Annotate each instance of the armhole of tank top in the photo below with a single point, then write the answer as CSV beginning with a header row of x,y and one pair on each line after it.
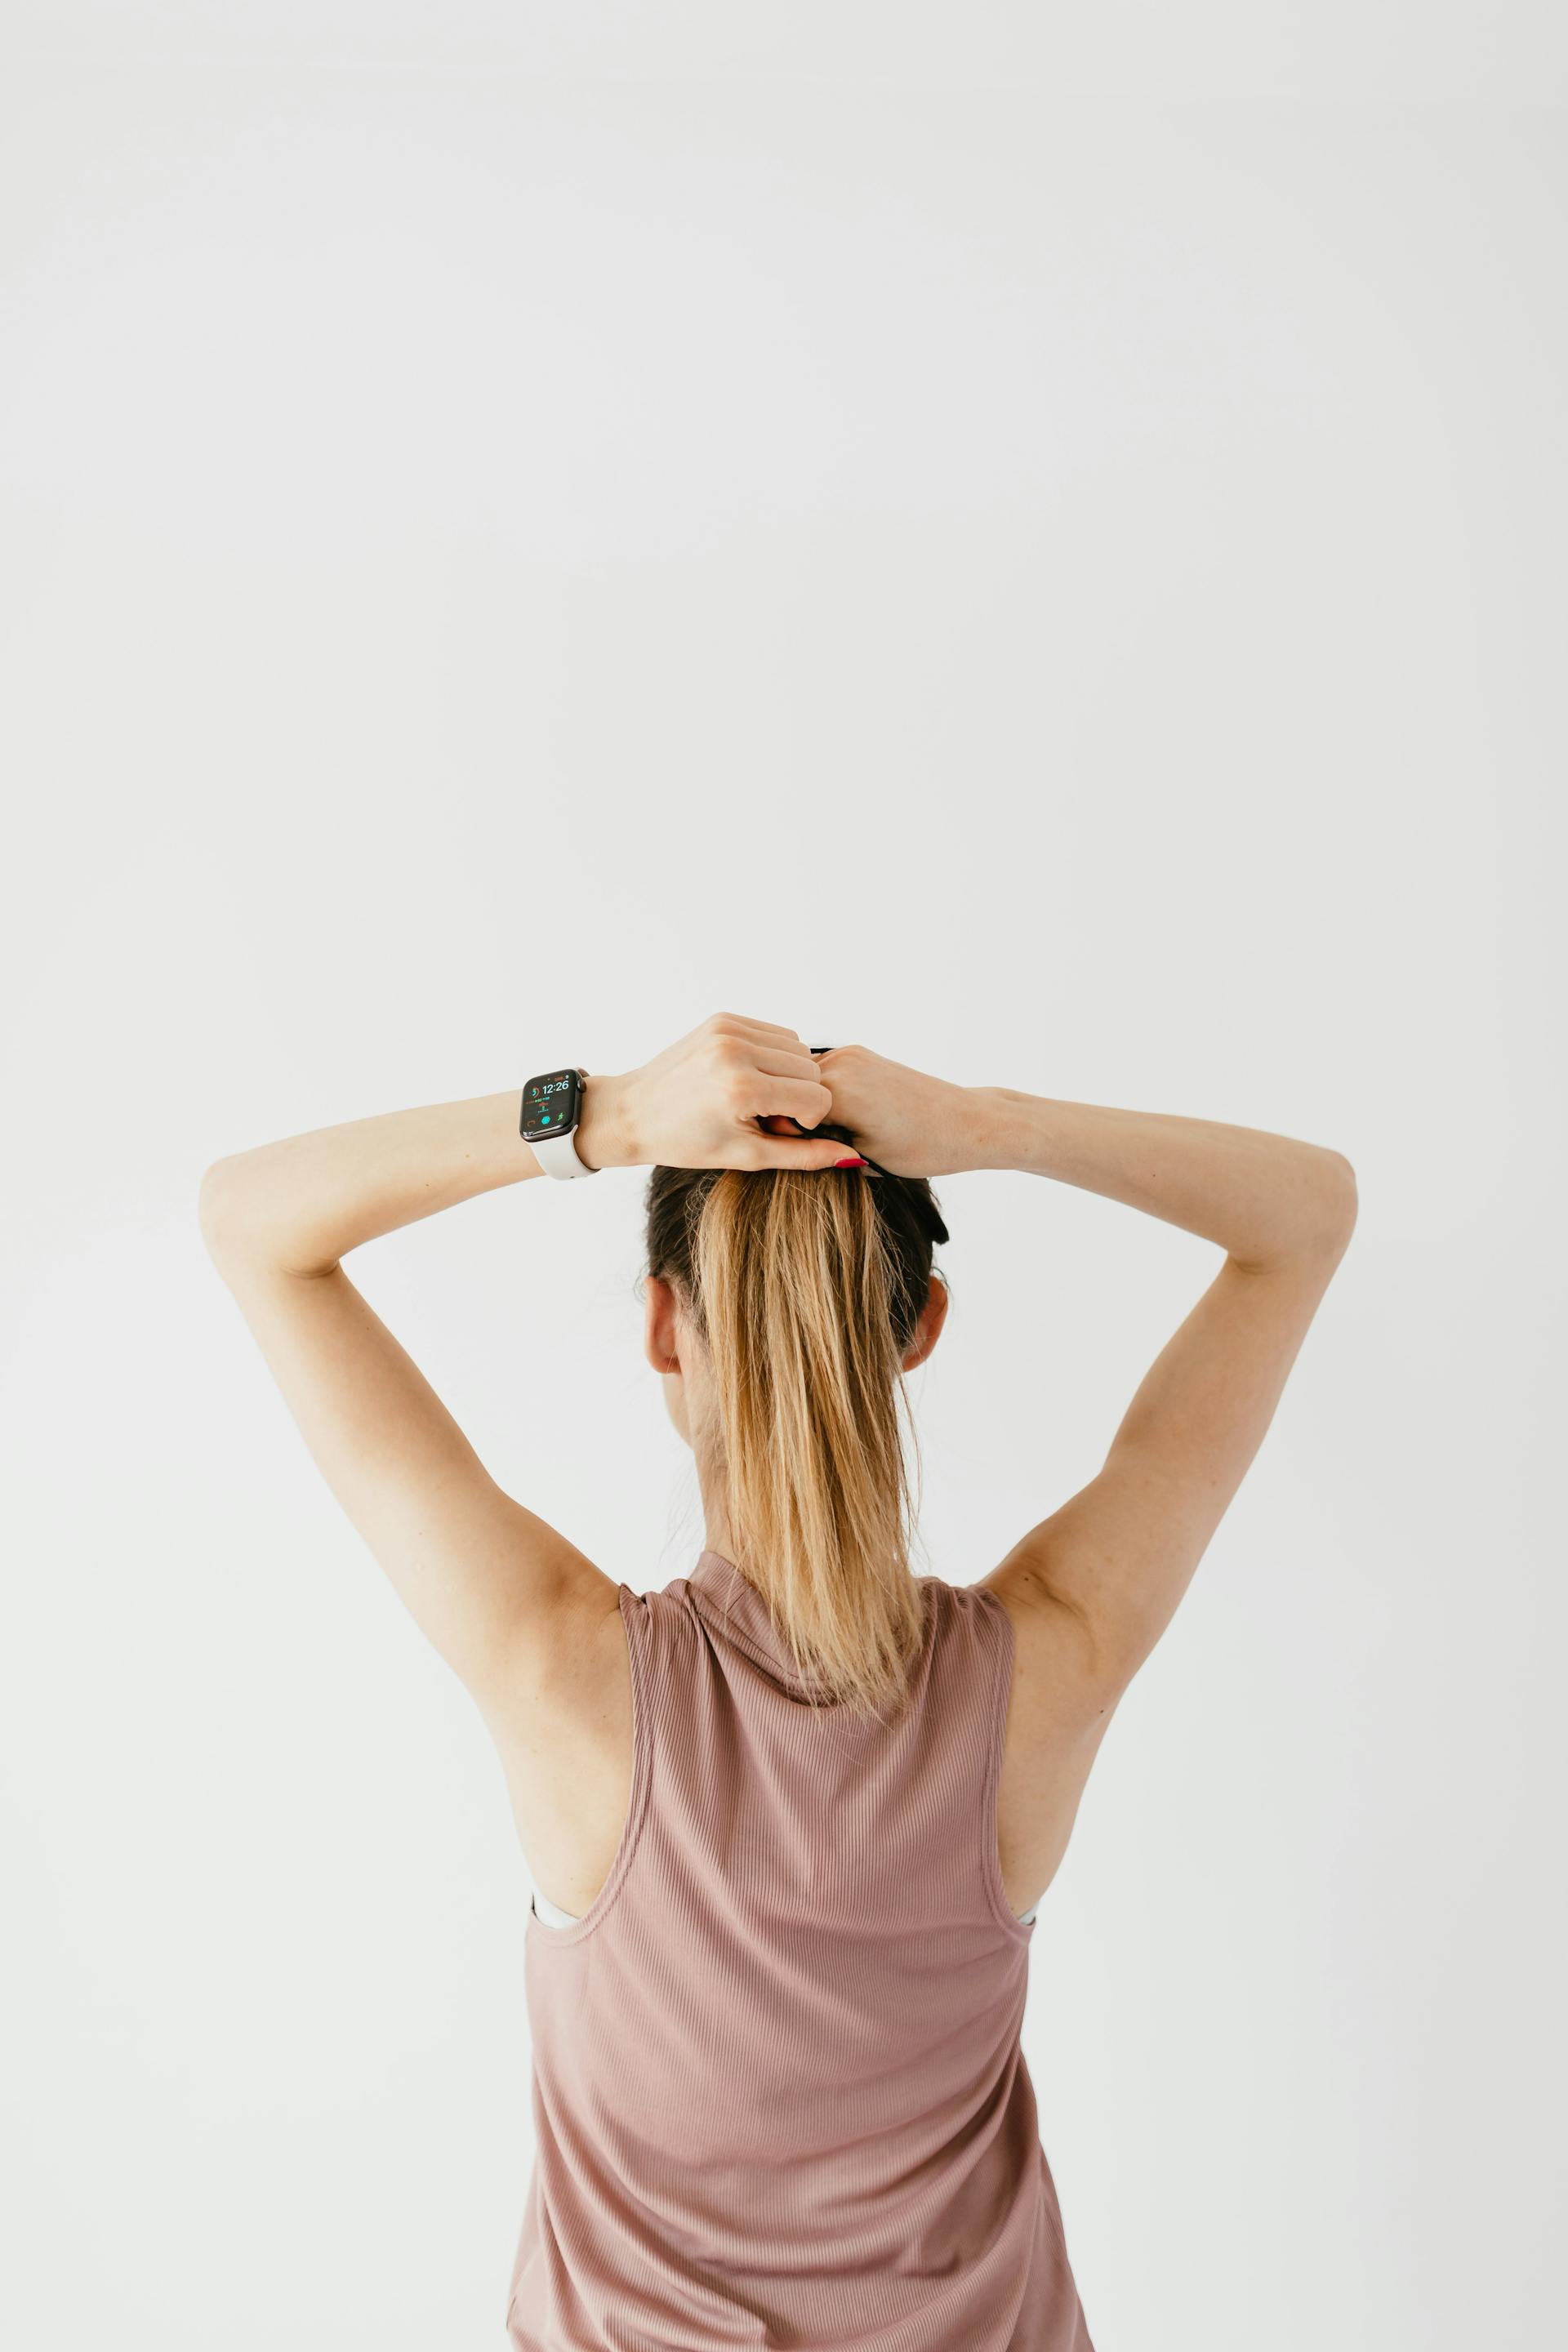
x,y
1019,1931
642,1769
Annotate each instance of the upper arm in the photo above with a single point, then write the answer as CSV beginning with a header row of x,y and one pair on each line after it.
x,y
503,1597
1109,1569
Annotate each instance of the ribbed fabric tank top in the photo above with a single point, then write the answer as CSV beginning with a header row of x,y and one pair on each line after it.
x,y
778,2092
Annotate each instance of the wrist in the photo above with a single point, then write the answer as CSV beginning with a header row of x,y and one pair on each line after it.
x,y
604,1137
1000,1129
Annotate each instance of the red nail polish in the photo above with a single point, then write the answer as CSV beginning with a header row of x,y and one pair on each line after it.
x,y
851,1163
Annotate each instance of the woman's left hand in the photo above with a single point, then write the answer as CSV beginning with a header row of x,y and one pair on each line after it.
x,y
697,1103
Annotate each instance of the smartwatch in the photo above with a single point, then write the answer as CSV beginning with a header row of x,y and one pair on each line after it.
x,y
552,1111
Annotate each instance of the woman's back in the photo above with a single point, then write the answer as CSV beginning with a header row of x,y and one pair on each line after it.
x,y
779,2094
778,2091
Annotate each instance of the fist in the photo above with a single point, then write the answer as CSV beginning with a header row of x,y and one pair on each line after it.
x,y
910,1124
697,1104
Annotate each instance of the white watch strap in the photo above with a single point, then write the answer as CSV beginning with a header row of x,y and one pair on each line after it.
x,y
557,1155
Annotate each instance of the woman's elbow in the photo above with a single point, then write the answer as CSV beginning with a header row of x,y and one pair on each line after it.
x,y
1340,1199
222,1213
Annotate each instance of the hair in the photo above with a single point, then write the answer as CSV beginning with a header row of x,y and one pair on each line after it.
x,y
805,1287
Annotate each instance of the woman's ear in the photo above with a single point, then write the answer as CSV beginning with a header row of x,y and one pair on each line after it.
x,y
927,1331
659,1337
661,1344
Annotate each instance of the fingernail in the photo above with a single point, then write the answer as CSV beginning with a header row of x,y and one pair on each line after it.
x,y
851,1163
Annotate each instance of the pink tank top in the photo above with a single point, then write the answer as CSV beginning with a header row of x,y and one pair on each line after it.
x,y
778,2093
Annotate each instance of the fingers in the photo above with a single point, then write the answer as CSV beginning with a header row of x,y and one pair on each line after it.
x,y
780,1061
806,1100
735,1023
809,1151
767,1071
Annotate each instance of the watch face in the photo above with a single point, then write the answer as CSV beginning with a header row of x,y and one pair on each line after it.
x,y
551,1105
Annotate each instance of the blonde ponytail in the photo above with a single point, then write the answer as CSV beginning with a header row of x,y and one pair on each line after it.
x,y
805,1287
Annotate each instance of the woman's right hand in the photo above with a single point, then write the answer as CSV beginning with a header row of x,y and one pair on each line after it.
x,y
698,1103
910,1124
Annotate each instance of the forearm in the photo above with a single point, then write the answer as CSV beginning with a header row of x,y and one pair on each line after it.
x,y
1261,1197
301,1204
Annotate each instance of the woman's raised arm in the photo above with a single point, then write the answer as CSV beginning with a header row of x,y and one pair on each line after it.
x,y
1110,1567
498,1592
1120,1553
505,1597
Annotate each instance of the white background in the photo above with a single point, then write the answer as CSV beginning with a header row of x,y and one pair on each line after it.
x,y
1035,545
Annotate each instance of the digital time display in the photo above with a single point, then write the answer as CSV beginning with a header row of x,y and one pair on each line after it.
x,y
550,1102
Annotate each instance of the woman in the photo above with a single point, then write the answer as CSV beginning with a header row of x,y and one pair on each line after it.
x,y
790,1817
